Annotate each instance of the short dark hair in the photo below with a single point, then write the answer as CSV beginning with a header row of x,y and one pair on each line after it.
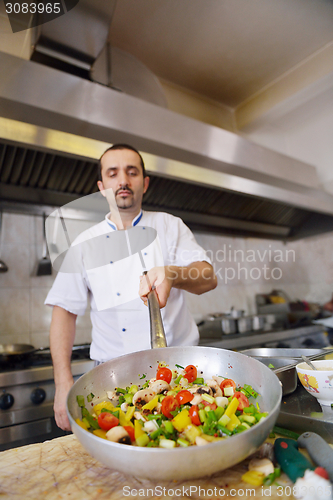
x,y
115,147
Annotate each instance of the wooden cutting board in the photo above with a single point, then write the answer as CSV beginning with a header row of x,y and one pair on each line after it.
x,y
62,469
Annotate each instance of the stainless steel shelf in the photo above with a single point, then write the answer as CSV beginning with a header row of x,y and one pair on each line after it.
x,y
254,339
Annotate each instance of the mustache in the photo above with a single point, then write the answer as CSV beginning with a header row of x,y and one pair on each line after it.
x,y
125,188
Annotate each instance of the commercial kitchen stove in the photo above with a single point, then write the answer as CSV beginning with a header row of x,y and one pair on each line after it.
x,y
26,398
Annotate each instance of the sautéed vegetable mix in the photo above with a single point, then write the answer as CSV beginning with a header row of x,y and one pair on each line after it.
x,y
177,408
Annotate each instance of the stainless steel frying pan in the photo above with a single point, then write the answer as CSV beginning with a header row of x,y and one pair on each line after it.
x,y
177,463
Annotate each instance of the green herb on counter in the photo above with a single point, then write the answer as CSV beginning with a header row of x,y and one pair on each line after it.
x,y
285,432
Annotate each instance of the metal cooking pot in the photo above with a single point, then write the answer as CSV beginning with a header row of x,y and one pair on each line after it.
x,y
177,463
228,325
244,324
258,322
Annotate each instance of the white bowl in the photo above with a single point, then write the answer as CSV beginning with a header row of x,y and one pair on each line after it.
x,y
318,383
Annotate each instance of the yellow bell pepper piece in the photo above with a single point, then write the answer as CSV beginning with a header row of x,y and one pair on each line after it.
x,y
151,404
81,424
182,420
130,413
191,432
100,433
123,420
232,407
104,404
138,429
234,422
253,477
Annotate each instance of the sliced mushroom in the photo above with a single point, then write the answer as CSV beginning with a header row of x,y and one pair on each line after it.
x,y
218,379
124,406
158,408
139,416
263,465
204,390
215,387
159,386
113,397
197,398
197,392
142,397
118,435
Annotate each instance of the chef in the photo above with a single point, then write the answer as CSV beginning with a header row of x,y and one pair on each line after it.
x,y
106,265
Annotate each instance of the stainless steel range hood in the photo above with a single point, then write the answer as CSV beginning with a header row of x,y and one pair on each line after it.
x,y
54,125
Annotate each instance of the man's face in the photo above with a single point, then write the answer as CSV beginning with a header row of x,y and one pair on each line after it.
x,y
122,172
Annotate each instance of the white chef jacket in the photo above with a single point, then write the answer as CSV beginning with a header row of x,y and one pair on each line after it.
x,y
120,320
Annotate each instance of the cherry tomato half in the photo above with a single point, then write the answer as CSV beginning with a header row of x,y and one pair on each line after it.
x,y
228,382
130,431
194,415
106,421
212,406
164,374
243,401
169,404
184,397
191,373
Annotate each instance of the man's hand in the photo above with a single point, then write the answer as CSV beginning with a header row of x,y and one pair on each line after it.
x,y
198,278
59,406
161,278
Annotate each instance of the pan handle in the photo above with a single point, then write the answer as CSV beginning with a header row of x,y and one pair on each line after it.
x,y
157,335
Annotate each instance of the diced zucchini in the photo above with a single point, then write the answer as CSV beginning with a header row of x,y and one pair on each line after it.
x,y
182,442
199,381
167,443
203,416
229,391
250,419
208,398
221,401
80,400
224,420
219,412
142,440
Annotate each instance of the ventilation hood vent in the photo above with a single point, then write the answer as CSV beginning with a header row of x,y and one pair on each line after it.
x,y
55,125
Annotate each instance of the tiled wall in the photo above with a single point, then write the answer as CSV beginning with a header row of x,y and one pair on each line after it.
x,y
23,316
304,270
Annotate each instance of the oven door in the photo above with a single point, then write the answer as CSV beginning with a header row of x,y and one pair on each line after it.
x,y
36,431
